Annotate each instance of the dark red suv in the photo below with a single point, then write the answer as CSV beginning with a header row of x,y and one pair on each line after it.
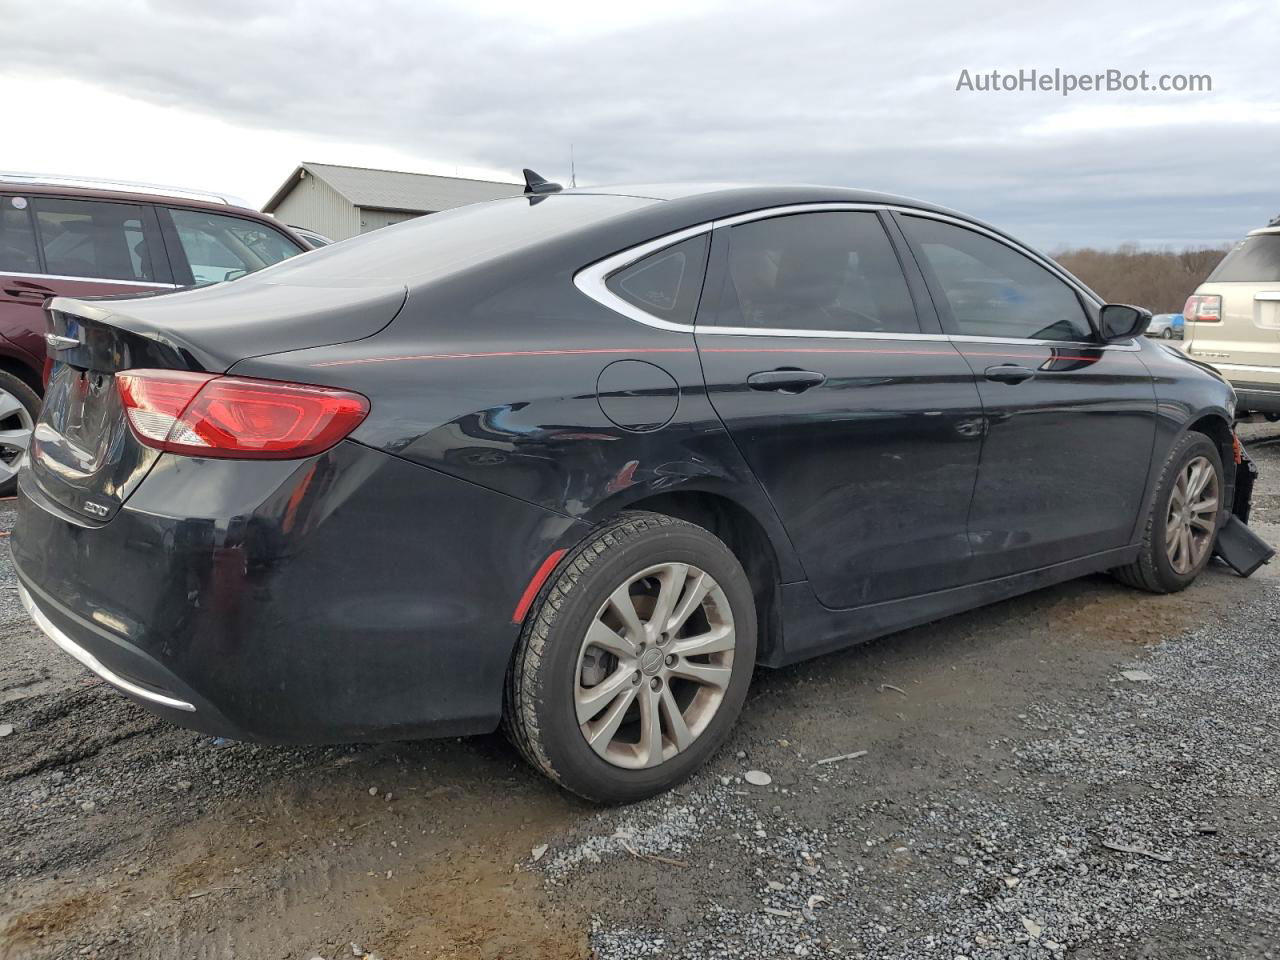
x,y
90,238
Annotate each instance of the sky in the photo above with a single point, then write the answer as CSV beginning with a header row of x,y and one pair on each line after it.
x,y
231,95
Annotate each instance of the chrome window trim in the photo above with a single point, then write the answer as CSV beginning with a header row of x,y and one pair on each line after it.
x,y
59,276
819,334
591,280
89,660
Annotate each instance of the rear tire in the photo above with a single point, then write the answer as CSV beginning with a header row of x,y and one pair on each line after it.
x,y
19,408
1168,562
671,674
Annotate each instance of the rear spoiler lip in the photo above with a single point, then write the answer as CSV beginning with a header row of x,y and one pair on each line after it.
x,y
318,318
124,347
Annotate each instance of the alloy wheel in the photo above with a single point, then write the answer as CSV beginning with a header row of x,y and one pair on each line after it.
x,y
16,427
654,665
1193,515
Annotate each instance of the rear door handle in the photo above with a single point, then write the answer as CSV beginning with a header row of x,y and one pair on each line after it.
x,y
1009,373
785,380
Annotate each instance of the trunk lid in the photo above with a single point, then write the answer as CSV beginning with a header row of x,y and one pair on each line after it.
x,y
84,457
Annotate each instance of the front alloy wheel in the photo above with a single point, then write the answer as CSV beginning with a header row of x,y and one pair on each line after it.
x,y
1192,523
1181,525
635,660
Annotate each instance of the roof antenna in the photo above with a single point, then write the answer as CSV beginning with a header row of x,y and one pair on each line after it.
x,y
573,170
536,184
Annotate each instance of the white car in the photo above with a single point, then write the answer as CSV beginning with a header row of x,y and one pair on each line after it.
x,y
1233,321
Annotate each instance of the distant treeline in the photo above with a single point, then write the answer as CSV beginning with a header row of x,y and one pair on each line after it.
x,y
1160,280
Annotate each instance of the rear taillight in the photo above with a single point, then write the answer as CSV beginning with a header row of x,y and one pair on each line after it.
x,y
1203,308
205,415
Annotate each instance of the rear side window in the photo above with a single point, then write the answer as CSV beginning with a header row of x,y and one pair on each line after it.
x,y
994,291
816,271
666,284
94,239
1254,259
223,248
17,238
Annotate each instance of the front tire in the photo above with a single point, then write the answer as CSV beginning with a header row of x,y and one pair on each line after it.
x,y
634,663
1166,333
1183,523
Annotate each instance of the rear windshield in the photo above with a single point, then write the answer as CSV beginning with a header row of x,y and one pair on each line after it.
x,y
432,246
1255,259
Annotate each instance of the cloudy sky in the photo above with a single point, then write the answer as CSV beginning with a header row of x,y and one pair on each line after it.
x,y
231,95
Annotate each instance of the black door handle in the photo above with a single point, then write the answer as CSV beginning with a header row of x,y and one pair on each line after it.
x,y
1009,373
785,380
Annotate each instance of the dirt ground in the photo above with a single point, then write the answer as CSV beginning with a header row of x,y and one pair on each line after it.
x,y
1019,796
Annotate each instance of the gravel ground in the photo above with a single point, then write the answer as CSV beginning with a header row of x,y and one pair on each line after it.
x,y
1085,772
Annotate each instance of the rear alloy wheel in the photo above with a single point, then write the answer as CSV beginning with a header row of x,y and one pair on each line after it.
x,y
635,661
19,407
1183,523
654,665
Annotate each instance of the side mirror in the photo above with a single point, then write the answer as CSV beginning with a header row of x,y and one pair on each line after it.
x,y
1123,322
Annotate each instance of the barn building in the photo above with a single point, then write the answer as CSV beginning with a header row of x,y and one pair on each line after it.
x,y
341,202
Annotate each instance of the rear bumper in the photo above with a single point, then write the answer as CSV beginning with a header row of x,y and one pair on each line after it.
x,y
352,596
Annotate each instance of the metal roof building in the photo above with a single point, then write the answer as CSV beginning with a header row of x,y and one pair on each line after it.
x,y
341,202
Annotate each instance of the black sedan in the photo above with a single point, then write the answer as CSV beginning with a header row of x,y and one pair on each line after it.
x,y
576,463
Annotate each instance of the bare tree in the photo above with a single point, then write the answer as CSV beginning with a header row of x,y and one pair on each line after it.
x,y
1160,280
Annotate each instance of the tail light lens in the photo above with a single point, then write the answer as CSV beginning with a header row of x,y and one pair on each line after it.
x,y
1203,308
205,415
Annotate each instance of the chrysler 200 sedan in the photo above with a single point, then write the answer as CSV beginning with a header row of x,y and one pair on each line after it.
x,y
575,463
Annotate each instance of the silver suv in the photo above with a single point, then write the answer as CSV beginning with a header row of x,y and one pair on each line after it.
x,y
1233,320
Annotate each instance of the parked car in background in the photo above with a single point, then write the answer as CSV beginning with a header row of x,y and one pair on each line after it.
x,y
62,236
1233,321
313,240
577,462
1166,326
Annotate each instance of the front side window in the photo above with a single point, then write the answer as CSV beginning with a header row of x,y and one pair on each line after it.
x,y
223,248
17,238
994,291
93,239
816,271
666,284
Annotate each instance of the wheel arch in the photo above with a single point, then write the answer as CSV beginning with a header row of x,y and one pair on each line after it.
x,y
744,534
23,371
1217,427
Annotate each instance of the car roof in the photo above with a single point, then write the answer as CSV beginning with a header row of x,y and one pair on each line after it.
x,y
762,194
29,188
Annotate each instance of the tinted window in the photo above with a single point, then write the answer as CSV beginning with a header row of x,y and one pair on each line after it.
x,y
816,271
222,248
667,283
1255,259
90,238
17,239
993,290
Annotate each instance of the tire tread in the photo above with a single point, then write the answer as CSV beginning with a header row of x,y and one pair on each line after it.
x,y
523,688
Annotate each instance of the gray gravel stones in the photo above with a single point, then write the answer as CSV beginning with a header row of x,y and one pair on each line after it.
x,y
1129,822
